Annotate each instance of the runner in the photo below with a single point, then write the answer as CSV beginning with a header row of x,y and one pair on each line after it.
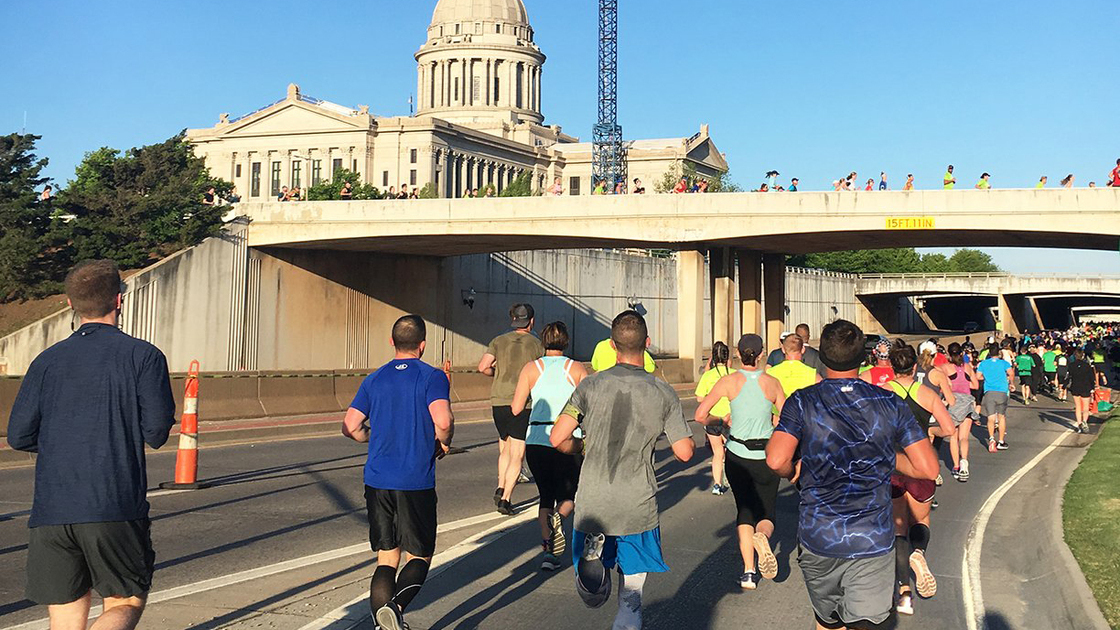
x,y
962,410
845,530
1024,365
605,357
995,374
504,359
1050,369
550,380
623,411
715,429
756,399
87,406
911,498
792,373
1083,380
809,354
881,373
1037,375
1062,374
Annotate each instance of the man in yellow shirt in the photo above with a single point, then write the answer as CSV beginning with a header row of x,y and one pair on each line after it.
x,y
792,373
605,357
950,180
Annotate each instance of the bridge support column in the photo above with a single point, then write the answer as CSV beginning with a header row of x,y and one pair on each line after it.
x,y
750,292
721,261
1008,317
774,274
690,307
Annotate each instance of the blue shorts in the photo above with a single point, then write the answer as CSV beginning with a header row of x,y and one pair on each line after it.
x,y
632,554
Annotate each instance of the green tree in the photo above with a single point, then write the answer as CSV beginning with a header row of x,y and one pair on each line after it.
x,y
138,206
722,182
901,260
329,190
972,261
428,191
521,186
30,260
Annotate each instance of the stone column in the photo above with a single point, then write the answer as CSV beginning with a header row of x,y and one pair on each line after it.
x,y
1007,316
420,69
511,85
721,272
537,84
774,302
440,84
463,73
690,308
486,91
750,291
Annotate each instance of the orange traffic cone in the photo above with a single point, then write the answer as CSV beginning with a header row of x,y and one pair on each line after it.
x,y
186,460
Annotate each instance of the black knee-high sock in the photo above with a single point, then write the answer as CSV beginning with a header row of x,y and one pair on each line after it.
x,y
382,586
937,442
409,582
902,560
919,536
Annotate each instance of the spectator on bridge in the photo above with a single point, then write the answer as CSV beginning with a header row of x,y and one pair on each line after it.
x,y
88,406
850,183
557,188
46,194
870,185
415,192
234,196
1114,176
950,180
403,194
601,187
1092,184
793,184
702,187
209,197
1041,182
1067,181
984,183
882,180
347,192
909,182
682,186
763,188
294,194
638,188
620,188
772,179
283,194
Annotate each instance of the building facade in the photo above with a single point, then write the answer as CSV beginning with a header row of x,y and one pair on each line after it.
x,y
478,123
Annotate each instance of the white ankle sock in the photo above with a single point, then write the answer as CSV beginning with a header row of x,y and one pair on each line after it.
x,y
629,602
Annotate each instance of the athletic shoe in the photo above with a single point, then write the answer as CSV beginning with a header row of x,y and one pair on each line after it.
x,y
550,562
523,478
389,617
505,507
940,480
933,504
558,542
767,563
593,580
748,581
905,605
923,577
963,475
717,490
725,489
956,473
593,546
991,445
498,496
1002,446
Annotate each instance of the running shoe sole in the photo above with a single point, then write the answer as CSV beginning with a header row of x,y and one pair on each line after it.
x,y
767,563
923,577
387,619
559,542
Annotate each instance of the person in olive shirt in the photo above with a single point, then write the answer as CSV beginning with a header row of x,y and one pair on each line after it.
x,y
504,358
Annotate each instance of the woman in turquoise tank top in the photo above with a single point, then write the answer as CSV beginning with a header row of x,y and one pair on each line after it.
x,y
756,403
550,382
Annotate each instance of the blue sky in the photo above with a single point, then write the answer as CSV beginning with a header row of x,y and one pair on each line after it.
x,y
814,89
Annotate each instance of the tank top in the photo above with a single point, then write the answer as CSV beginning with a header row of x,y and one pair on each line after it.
x,y
959,383
910,396
880,376
752,416
553,389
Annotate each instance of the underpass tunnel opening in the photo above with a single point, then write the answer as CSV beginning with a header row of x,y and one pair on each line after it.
x,y
966,313
1061,312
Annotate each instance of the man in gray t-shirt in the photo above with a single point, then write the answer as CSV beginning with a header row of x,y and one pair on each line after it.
x,y
622,411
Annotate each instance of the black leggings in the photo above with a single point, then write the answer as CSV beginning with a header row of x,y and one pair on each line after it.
x,y
755,487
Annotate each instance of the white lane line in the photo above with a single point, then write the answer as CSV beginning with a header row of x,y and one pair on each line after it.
x,y
151,495
289,565
346,618
975,614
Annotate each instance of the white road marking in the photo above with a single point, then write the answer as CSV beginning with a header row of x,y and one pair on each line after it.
x,y
975,614
447,558
151,495
344,618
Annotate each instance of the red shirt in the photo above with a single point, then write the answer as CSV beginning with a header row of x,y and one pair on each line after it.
x,y
1116,177
882,376
681,187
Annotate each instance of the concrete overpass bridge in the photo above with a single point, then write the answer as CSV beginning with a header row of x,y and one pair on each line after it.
x,y
746,236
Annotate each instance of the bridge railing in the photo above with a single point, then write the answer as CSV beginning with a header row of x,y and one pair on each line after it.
x,y
982,275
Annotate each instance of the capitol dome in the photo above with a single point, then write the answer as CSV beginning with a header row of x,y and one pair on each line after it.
x,y
508,11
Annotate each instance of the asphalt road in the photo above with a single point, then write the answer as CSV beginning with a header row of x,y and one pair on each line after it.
x,y
290,500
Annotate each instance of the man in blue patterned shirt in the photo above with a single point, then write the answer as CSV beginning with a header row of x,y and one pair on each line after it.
x,y
851,436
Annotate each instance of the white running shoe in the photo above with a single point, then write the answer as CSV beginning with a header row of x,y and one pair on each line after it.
x,y
923,577
905,604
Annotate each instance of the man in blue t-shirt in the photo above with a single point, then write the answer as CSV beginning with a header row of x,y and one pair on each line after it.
x,y
997,376
852,435
408,408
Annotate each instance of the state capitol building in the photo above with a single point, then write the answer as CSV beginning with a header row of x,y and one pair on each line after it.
x,y
478,122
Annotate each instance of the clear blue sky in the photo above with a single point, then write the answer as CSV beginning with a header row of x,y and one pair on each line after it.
x,y
814,89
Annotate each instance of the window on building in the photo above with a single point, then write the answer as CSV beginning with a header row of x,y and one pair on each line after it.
x,y
458,29
573,186
276,179
520,89
476,89
355,166
498,28
384,179
412,177
297,168
412,156
478,28
336,166
456,93
497,90
316,172
255,180
237,171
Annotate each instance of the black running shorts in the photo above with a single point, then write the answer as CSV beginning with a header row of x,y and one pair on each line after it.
x,y
402,519
556,474
509,425
755,487
64,562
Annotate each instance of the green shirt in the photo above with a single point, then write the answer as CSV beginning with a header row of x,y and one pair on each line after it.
x,y
605,357
512,352
983,184
1024,363
949,181
1050,361
707,382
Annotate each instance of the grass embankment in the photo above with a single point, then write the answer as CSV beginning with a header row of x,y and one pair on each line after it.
x,y
1091,515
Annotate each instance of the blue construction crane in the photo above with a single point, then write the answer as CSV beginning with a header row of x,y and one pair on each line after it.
x,y
609,155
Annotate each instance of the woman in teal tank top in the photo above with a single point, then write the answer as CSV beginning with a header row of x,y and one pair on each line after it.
x,y
756,402
550,382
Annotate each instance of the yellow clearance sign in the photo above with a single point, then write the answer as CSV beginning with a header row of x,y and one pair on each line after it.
x,y
911,223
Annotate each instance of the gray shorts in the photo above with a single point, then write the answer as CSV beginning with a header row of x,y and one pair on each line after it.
x,y
964,408
995,403
849,590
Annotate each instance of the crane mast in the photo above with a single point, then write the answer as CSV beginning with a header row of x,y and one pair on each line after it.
x,y
609,154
